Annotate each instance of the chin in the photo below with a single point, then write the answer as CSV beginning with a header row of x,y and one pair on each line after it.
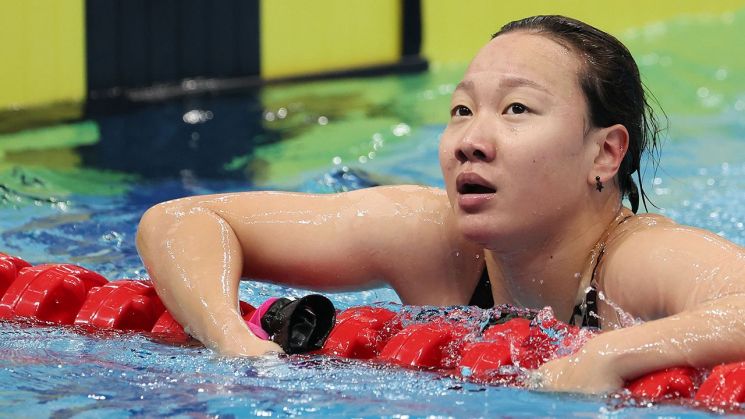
x,y
496,232
478,229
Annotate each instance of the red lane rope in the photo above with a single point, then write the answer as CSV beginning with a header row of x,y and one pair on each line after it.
x,y
71,295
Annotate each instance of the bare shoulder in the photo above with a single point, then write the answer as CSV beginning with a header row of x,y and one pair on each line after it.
x,y
655,267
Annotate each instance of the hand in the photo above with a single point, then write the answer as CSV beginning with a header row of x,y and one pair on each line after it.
x,y
252,347
584,372
236,339
262,347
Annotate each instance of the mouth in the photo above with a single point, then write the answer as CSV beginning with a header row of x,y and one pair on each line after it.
x,y
469,183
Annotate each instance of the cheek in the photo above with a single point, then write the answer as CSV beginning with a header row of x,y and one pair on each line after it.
x,y
445,153
558,148
544,167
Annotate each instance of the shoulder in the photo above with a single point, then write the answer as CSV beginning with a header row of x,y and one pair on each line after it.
x,y
647,236
656,267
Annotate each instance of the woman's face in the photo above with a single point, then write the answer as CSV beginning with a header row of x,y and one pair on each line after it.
x,y
514,154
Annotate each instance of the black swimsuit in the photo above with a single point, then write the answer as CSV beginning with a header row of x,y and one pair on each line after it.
x,y
587,310
482,298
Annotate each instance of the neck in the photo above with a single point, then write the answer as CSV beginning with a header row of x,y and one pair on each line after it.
x,y
548,269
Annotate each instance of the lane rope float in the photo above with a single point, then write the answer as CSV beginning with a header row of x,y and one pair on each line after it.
x,y
498,351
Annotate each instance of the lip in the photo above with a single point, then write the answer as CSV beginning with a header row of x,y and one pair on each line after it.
x,y
471,178
470,202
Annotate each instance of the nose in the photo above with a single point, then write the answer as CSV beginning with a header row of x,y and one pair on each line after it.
x,y
475,148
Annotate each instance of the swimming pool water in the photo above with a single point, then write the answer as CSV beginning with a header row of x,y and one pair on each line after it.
x,y
81,204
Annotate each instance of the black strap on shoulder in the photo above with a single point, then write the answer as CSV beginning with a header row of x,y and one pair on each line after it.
x,y
482,296
589,315
589,312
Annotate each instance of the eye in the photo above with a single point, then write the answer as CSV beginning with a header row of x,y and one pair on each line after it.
x,y
516,109
460,110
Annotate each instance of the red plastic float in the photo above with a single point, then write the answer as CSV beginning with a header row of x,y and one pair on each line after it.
x,y
483,361
10,266
121,305
725,386
361,332
52,293
67,294
425,345
671,383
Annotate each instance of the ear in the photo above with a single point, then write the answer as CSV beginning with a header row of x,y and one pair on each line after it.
x,y
612,143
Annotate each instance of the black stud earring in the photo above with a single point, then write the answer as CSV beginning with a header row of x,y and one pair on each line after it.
x,y
598,184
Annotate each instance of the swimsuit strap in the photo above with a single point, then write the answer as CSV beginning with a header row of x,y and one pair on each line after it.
x,y
587,310
482,296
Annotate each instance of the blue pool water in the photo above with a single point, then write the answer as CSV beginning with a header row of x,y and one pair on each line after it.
x,y
327,137
58,372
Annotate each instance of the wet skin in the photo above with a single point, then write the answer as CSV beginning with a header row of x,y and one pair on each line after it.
x,y
518,123
519,161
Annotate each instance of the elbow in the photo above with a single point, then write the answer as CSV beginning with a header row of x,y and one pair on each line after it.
x,y
153,226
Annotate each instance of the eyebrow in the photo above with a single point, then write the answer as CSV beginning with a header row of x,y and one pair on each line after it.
x,y
511,81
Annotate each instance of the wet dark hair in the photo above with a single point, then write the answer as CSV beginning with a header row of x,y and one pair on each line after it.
x,y
612,86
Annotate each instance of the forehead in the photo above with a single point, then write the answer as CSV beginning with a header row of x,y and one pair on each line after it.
x,y
528,55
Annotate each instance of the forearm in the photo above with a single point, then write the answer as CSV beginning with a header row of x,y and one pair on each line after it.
x,y
710,334
195,262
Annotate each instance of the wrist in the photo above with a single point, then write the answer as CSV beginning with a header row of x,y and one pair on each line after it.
x,y
238,340
222,328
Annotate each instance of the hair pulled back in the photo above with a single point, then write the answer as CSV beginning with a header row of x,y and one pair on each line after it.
x,y
610,81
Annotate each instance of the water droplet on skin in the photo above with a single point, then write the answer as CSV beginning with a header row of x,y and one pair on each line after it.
x,y
625,319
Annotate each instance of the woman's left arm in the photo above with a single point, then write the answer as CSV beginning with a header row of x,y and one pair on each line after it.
x,y
689,284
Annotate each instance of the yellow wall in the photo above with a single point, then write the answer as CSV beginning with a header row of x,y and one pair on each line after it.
x,y
42,52
43,41
455,30
300,36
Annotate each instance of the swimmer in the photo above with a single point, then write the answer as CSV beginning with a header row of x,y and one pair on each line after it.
x,y
547,130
